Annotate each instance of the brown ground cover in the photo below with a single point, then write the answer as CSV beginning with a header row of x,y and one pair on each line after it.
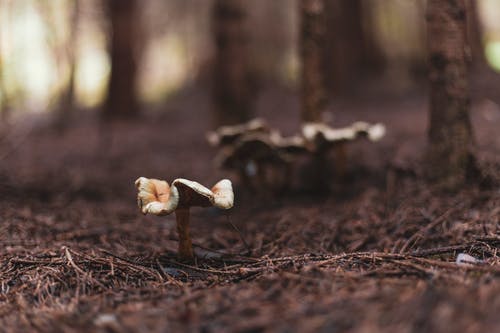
x,y
377,254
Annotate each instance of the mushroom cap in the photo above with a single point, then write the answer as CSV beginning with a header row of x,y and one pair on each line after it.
x,y
322,134
156,197
223,194
291,145
373,132
376,132
361,126
225,135
192,193
253,147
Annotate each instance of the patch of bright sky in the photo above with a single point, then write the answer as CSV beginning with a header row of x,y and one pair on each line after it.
x,y
92,68
493,54
291,68
398,21
165,67
28,66
34,76
490,15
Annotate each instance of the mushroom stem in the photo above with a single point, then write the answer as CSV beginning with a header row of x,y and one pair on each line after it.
x,y
245,178
185,245
320,175
340,161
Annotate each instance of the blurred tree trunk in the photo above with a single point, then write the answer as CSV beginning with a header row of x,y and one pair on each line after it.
x,y
5,101
233,89
67,101
371,58
351,49
122,99
475,36
3,92
312,43
313,84
450,132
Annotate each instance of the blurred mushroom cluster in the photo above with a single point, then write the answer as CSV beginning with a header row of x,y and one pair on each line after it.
x,y
264,159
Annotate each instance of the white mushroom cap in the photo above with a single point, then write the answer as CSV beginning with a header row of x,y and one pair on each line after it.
x,y
280,141
361,126
156,197
376,132
223,194
256,147
295,144
194,194
315,131
213,138
227,134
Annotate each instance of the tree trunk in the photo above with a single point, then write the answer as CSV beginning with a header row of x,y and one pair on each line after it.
x,y
372,57
475,36
122,99
3,91
312,41
450,132
351,49
66,105
233,91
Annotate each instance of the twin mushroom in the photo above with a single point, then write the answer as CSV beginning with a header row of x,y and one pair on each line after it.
x,y
263,157
158,198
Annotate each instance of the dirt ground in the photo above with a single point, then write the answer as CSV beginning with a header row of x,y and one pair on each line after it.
x,y
376,255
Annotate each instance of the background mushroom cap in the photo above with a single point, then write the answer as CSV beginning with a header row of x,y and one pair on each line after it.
x,y
253,147
291,145
322,135
319,131
376,132
226,135
373,132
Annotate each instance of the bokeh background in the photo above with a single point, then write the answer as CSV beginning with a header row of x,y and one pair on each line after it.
x,y
49,49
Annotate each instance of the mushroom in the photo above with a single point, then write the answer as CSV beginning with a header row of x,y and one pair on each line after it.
x,y
373,132
158,198
292,145
323,137
229,134
255,157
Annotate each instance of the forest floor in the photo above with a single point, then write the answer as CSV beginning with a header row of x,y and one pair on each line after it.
x,y
377,254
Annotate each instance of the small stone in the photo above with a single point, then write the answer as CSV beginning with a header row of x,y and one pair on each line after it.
x,y
105,320
465,259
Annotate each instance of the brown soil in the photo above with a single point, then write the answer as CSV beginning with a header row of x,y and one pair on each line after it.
x,y
377,254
